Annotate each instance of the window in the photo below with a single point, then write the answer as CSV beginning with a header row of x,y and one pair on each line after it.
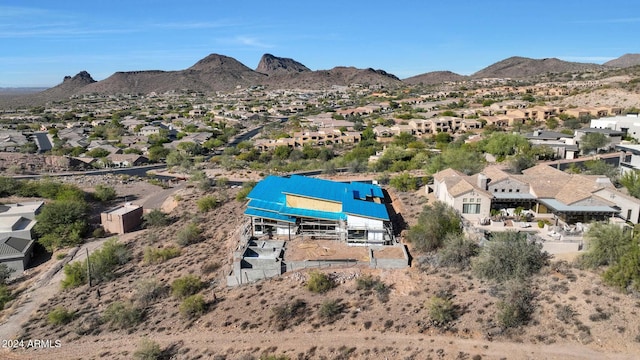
x,y
517,190
510,190
472,200
471,208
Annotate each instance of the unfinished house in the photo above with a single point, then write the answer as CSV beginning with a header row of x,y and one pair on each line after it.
x,y
122,219
316,208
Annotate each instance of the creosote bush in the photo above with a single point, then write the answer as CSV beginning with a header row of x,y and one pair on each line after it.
x,y
155,218
330,310
291,313
103,262
516,306
509,255
148,291
319,282
190,234
157,256
457,251
147,350
207,203
186,286
60,316
192,306
441,310
121,315
368,282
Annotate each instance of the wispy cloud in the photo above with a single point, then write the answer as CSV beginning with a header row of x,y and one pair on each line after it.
x,y
248,41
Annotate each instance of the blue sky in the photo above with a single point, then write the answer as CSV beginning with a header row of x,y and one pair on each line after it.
x,y
42,41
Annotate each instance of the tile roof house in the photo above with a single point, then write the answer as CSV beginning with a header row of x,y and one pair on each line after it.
x,y
542,189
310,207
16,241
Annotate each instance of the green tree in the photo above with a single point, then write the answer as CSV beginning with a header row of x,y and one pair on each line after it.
x,y
592,141
503,144
404,182
625,273
606,243
98,153
631,181
61,223
434,223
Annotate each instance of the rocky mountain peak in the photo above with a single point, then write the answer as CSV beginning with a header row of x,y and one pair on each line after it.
x,y
273,65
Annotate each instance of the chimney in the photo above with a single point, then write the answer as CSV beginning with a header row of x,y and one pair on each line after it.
x,y
482,181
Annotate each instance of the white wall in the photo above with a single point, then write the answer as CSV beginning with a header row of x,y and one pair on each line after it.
x,y
361,222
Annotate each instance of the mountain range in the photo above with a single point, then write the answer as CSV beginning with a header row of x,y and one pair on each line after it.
x,y
222,73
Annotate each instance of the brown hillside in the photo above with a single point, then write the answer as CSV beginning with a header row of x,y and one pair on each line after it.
x,y
624,61
341,76
521,67
280,316
434,78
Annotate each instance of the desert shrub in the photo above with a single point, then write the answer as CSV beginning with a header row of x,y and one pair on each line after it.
x,y
434,223
606,244
147,350
289,313
104,193
207,203
319,282
457,251
189,234
245,190
147,291
157,256
186,286
625,273
516,306
210,267
509,255
103,262
155,218
441,310
122,315
368,282
75,274
330,310
98,232
60,316
5,295
565,313
192,306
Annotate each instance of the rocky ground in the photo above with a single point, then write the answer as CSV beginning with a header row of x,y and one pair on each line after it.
x,y
280,316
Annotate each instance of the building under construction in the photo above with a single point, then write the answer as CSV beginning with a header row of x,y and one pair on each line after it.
x,y
315,208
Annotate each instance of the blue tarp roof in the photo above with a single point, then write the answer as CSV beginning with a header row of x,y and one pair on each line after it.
x,y
270,194
269,215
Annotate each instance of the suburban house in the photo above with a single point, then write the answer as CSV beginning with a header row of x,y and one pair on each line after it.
x,y
630,159
563,145
629,124
16,240
122,219
543,190
297,205
614,137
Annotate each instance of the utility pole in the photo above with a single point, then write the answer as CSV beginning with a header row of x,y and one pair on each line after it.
x,y
88,267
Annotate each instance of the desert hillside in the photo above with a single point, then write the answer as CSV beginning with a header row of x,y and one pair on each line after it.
x,y
575,317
